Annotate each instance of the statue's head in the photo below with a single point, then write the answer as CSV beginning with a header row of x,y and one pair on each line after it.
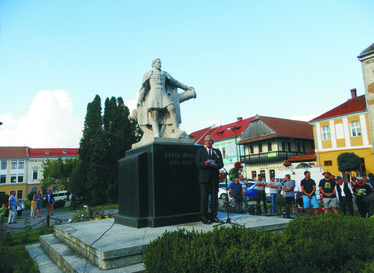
x,y
156,62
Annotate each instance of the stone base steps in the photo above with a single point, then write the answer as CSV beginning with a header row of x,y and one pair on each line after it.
x,y
103,246
61,258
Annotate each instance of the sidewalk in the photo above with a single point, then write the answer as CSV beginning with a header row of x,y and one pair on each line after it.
x,y
59,217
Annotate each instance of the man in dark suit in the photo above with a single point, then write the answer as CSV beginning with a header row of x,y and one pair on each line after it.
x,y
208,162
344,195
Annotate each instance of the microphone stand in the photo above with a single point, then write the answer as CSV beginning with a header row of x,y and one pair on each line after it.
x,y
228,220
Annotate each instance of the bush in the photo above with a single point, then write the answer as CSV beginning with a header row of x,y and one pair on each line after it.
x,y
74,204
327,243
4,199
30,196
330,241
59,204
27,204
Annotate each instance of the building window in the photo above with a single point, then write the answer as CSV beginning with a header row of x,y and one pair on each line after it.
x,y
251,148
262,173
283,146
13,178
339,130
3,164
19,194
20,178
35,175
298,147
304,148
223,152
14,165
254,175
355,128
3,178
64,152
260,148
47,152
325,132
269,147
21,165
328,163
289,147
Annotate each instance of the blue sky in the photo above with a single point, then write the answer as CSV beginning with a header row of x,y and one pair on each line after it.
x,y
288,59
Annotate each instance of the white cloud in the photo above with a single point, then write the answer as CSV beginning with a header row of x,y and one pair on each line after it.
x,y
131,104
49,123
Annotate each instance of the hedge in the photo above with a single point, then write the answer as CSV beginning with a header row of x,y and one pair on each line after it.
x,y
327,243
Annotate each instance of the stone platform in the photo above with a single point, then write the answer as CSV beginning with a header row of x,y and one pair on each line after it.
x,y
102,245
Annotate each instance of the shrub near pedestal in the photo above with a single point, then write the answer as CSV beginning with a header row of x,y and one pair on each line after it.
x,y
327,243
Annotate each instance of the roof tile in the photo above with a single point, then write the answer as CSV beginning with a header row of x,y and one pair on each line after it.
x,y
357,104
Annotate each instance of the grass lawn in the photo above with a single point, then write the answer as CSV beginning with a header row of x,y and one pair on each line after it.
x,y
13,254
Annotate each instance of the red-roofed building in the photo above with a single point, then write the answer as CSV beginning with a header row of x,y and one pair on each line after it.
x,y
39,155
268,142
21,167
344,128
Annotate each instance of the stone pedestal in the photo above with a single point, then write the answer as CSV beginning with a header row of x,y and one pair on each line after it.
x,y
158,186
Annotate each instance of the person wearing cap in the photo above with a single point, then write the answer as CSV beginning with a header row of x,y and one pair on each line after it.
x,y
353,182
344,194
308,187
327,188
360,190
260,194
236,171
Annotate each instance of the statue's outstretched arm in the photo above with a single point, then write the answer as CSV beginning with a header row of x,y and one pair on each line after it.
x,y
176,83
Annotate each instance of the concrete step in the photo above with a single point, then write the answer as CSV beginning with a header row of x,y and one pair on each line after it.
x,y
45,264
70,261
115,249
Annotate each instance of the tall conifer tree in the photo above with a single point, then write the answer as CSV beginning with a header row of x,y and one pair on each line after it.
x,y
105,140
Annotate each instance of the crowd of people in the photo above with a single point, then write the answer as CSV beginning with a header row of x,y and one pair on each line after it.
x,y
16,207
333,191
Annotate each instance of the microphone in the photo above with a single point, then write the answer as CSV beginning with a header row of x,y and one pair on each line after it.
x,y
217,156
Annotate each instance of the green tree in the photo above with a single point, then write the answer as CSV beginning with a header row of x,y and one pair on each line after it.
x,y
119,138
348,162
57,173
90,144
105,140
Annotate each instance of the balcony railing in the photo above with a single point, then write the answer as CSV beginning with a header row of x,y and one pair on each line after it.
x,y
267,157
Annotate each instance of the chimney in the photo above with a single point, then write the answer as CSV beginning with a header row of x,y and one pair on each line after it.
x,y
354,93
239,119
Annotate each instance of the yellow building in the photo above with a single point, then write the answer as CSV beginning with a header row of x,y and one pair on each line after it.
x,y
21,168
13,170
346,128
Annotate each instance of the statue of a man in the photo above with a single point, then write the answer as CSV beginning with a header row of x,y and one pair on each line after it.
x,y
158,109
